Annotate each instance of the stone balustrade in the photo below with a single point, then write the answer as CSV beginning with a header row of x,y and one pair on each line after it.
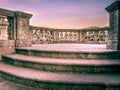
x,y
87,36
41,35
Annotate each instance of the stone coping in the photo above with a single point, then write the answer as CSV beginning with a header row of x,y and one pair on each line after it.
x,y
114,6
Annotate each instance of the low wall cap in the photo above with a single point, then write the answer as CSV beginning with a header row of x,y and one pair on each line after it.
x,y
114,6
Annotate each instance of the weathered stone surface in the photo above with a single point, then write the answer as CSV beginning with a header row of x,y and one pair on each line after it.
x,y
63,65
23,14
19,22
7,85
63,81
114,39
7,47
6,12
69,54
55,76
42,35
22,28
21,31
23,43
59,81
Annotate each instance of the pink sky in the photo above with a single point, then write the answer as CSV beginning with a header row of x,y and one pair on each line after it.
x,y
62,13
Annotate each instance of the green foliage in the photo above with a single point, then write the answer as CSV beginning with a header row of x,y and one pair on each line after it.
x,y
9,32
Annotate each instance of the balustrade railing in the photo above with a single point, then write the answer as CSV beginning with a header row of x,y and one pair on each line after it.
x,y
88,36
42,35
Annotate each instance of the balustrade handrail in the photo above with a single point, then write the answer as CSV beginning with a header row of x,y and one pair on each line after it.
x,y
95,35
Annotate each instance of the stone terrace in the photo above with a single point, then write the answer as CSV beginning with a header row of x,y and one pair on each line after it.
x,y
61,66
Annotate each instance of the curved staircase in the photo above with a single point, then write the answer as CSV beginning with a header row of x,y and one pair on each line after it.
x,y
62,69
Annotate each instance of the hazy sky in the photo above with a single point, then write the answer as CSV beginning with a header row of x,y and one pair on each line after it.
x,y
62,13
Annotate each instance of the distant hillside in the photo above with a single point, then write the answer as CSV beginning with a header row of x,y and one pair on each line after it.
x,y
95,27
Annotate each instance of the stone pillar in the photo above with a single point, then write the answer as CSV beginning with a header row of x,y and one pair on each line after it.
x,y
114,31
55,36
78,36
21,21
81,37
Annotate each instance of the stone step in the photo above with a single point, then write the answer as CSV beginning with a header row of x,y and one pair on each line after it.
x,y
7,85
63,65
59,81
75,54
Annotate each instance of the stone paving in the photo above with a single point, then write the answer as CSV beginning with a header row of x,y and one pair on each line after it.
x,y
72,47
7,85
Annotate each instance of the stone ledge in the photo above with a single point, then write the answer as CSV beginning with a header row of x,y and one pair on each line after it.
x,y
22,14
113,7
6,12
